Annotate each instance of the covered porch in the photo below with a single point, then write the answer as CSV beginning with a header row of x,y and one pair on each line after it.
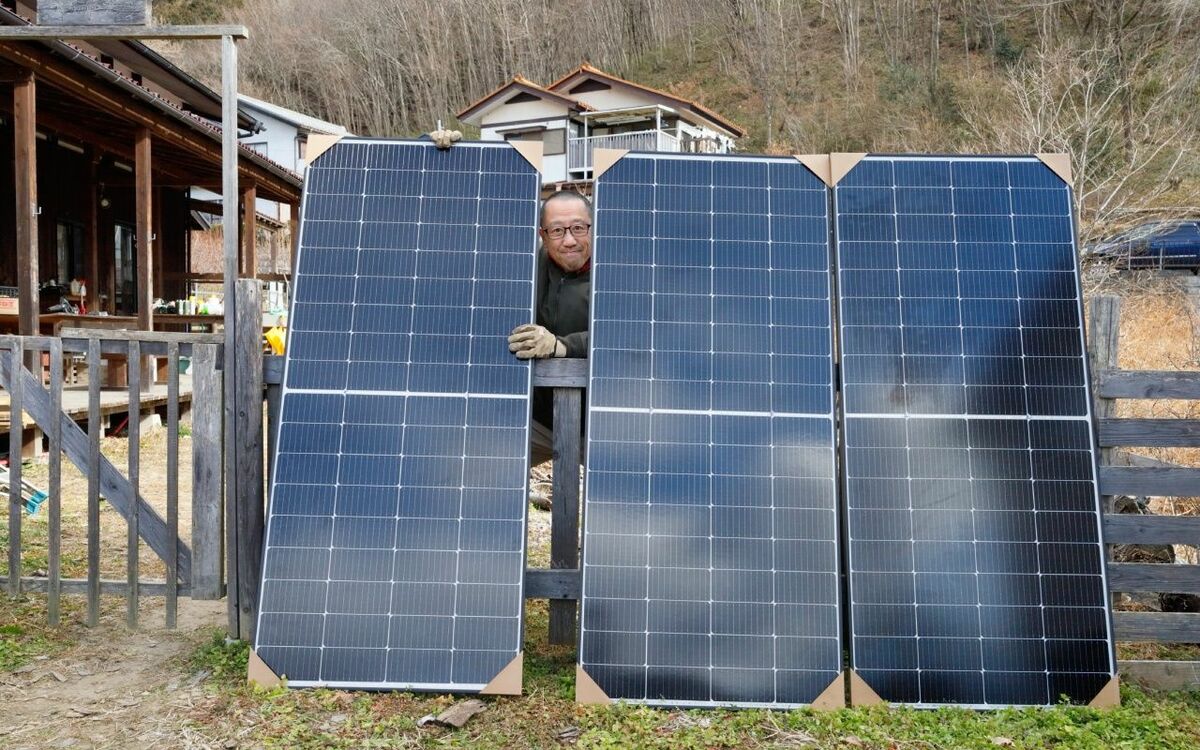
x,y
102,170
648,128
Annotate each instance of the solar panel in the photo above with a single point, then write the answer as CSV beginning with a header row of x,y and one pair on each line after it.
x,y
976,570
395,546
710,572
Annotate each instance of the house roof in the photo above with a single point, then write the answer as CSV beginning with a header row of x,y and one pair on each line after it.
x,y
588,71
302,121
195,122
522,84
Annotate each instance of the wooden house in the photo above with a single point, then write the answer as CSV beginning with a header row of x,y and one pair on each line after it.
x,y
101,146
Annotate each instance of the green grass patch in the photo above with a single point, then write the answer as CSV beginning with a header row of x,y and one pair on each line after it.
x,y
25,633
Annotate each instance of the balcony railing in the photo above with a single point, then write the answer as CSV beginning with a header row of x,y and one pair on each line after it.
x,y
579,150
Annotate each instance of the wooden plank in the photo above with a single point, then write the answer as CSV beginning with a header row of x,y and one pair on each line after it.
x,y
564,513
1161,675
144,337
1157,627
1132,528
1150,433
94,460
1148,384
552,584
249,462
91,13
26,195
208,547
54,520
16,430
560,373
144,229
1103,336
108,586
1144,481
172,597
294,232
134,440
1154,578
274,407
117,346
113,484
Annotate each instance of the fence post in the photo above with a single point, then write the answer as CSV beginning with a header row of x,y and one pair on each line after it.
x,y
1104,329
208,543
564,529
248,396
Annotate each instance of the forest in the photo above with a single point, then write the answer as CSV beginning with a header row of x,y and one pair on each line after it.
x,y
1114,83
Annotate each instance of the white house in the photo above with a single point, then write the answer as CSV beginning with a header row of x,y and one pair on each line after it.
x,y
283,139
587,109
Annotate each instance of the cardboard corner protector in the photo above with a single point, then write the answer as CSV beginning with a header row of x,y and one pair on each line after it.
x,y
604,158
862,694
318,144
508,680
1060,164
1109,695
832,697
839,166
587,691
532,151
818,164
258,673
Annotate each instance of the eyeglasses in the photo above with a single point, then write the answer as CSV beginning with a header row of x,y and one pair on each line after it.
x,y
577,230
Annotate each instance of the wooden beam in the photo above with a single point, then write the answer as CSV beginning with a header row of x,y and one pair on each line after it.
x,y
1135,528
91,232
250,231
1161,627
25,173
143,204
1148,384
1150,433
1154,578
56,33
156,221
1149,481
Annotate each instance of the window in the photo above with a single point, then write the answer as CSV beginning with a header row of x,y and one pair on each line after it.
x,y
69,246
259,147
301,147
524,135
555,142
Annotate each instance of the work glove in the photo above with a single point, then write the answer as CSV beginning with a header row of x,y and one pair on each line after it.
x,y
531,341
445,138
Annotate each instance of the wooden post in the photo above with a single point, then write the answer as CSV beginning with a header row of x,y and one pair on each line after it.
x,y
208,545
95,430
16,504
172,560
133,543
91,234
144,192
250,231
1104,328
249,464
294,228
54,529
564,532
25,172
156,219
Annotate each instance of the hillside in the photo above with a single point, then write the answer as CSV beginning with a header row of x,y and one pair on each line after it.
x,y
1115,84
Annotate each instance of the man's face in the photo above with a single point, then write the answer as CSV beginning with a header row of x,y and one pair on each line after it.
x,y
571,253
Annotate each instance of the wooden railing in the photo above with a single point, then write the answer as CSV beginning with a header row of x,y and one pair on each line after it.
x,y
1123,473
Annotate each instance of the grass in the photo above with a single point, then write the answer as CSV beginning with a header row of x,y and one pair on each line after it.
x,y
546,716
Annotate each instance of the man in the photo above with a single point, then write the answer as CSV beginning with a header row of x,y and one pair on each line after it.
x,y
564,285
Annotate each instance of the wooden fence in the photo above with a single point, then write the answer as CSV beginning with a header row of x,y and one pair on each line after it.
x,y
222,557
1123,473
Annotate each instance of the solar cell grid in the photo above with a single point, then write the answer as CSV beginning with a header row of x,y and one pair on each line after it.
x,y
976,569
710,562
395,545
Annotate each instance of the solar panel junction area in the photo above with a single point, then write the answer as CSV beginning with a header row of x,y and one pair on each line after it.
x,y
395,546
976,572
710,533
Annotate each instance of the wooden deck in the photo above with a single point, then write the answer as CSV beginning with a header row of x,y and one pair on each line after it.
x,y
112,401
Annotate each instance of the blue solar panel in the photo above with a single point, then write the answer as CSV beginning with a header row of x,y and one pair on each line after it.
x,y
976,572
395,545
710,564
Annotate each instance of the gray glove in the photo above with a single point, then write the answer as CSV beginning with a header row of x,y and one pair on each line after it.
x,y
531,341
445,138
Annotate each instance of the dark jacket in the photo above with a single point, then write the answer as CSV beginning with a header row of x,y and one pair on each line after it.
x,y
563,300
